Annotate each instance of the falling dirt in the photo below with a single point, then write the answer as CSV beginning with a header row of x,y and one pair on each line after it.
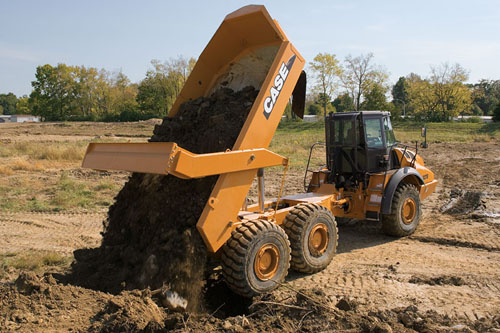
x,y
150,238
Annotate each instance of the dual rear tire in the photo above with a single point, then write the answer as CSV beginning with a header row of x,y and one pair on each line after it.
x,y
259,253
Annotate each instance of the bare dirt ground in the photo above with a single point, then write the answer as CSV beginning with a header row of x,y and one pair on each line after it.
x,y
445,277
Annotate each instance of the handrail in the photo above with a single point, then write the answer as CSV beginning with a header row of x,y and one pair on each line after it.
x,y
309,161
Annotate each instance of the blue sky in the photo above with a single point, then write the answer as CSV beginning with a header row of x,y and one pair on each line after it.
x,y
405,36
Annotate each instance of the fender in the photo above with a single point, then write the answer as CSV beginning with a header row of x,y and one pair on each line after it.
x,y
393,184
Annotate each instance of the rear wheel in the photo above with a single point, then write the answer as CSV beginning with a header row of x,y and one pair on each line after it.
x,y
256,258
313,236
405,212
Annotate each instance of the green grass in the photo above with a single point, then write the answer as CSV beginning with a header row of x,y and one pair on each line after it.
x,y
32,261
60,151
65,194
294,138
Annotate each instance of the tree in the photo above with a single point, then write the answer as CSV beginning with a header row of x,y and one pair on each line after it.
x,y
485,96
326,69
343,103
375,98
496,113
314,109
157,92
400,95
359,73
443,95
8,103
53,92
22,105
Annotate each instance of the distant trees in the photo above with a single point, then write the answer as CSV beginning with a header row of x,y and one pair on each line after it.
x,y
363,80
79,93
158,91
65,92
442,95
360,75
343,103
485,96
8,104
496,113
400,95
374,97
326,69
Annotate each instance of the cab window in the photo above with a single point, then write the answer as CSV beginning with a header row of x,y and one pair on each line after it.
x,y
373,133
389,133
345,133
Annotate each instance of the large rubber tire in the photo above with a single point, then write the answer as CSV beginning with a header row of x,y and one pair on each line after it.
x,y
251,244
405,212
302,225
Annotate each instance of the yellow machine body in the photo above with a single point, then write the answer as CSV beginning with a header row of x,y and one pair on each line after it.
x,y
249,48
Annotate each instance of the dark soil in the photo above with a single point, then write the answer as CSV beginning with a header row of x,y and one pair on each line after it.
x,y
439,280
462,202
150,237
37,303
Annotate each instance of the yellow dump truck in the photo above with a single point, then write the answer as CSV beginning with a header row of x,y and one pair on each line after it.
x,y
368,175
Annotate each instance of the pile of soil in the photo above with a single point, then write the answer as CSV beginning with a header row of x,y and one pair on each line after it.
x,y
463,202
39,303
150,237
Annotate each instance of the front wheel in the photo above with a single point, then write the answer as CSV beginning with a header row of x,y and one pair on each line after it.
x,y
256,258
405,212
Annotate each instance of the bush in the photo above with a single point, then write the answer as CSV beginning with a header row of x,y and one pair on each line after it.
x,y
496,113
473,119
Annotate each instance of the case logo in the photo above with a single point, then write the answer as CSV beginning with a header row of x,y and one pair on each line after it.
x,y
279,81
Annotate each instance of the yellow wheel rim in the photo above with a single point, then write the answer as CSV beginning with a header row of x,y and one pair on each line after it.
x,y
267,261
318,239
408,211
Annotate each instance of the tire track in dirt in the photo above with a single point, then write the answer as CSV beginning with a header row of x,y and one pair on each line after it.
x,y
375,270
41,231
454,242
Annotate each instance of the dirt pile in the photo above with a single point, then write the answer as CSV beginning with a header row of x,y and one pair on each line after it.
x,y
462,202
150,238
38,303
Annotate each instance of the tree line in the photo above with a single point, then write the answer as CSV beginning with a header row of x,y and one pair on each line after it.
x,y
358,84
65,92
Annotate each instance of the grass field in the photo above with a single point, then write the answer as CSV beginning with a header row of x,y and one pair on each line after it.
x,y
40,163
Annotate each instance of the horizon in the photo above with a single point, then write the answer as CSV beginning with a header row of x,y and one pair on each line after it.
x,y
126,36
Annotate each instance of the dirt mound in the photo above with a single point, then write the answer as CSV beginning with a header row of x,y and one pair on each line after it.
x,y
439,280
150,238
38,304
462,202
130,312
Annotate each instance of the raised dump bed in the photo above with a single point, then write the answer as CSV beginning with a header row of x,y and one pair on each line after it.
x,y
248,49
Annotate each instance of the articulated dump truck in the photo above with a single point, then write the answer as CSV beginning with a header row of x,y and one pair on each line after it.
x,y
368,175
